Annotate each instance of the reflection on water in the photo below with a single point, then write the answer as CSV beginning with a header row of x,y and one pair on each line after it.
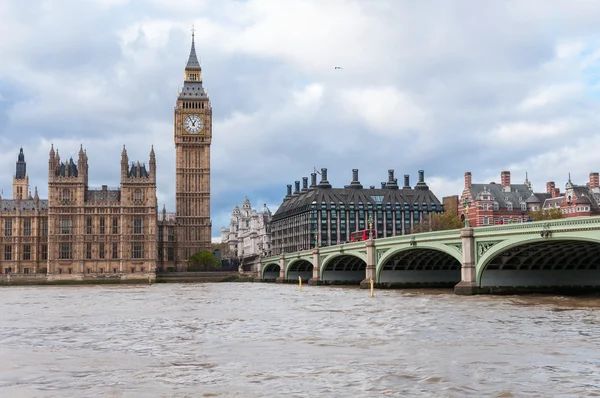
x,y
267,340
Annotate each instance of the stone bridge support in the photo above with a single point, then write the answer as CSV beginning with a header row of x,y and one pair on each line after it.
x,y
281,278
370,272
315,280
468,280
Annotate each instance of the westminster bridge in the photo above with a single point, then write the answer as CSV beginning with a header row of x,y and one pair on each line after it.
x,y
552,255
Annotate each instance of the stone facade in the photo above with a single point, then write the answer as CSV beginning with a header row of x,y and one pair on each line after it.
x,y
249,235
80,233
192,136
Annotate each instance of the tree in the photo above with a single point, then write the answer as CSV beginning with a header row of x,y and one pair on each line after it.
x,y
204,260
440,222
549,214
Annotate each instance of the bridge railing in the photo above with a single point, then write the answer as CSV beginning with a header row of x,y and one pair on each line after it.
x,y
569,223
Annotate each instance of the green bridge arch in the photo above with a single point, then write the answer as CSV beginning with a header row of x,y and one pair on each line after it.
x,y
551,247
353,271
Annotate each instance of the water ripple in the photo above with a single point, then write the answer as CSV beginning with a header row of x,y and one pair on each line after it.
x,y
268,340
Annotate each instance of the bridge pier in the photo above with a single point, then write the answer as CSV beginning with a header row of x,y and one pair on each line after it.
x,y
468,276
315,280
281,278
370,271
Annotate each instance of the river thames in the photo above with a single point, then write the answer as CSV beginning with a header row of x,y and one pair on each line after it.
x,y
269,340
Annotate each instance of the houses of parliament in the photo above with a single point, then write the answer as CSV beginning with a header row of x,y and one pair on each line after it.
x,y
82,233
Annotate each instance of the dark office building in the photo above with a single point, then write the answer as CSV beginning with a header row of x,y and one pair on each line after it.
x,y
319,215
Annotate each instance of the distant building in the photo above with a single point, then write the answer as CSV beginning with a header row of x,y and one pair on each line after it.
x,y
249,235
450,203
577,200
320,215
494,203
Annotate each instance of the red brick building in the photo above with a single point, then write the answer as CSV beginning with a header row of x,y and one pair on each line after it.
x,y
492,203
577,200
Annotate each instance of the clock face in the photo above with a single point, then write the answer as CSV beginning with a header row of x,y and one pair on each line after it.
x,y
193,124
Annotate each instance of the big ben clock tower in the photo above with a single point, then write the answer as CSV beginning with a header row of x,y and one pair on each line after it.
x,y
192,134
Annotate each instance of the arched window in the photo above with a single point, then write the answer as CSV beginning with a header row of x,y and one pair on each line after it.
x,y
137,195
66,195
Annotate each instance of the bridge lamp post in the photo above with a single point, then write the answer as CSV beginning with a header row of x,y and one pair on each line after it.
x,y
370,226
466,204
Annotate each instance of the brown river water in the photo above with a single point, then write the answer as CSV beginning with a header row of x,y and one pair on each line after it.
x,y
270,340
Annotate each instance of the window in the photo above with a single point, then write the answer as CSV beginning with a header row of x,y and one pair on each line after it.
x,y
8,228
524,206
115,250
115,225
7,252
101,250
26,252
44,251
44,227
485,207
138,225
137,196
486,221
509,206
66,226
88,251
170,254
27,227
496,206
66,195
65,251
101,225
88,226
137,250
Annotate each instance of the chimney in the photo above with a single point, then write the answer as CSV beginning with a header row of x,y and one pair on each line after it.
x,y
392,182
505,178
296,187
313,180
289,190
382,185
555,192
324,183
355,184
304,184
421,184
550,187
468,180
406,182
594,180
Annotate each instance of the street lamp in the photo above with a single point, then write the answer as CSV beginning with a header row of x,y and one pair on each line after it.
x,y
466,204
370,226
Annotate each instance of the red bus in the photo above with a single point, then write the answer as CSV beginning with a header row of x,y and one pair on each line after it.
x,y
357,236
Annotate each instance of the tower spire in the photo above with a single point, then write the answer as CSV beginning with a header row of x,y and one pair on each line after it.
x,y
193,63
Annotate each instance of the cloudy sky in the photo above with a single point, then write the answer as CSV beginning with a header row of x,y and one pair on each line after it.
x,y
444,86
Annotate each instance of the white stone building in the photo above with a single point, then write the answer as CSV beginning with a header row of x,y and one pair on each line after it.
x,y
249,235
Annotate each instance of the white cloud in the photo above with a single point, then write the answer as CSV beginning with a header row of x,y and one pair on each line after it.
x,y
527,133
555,94
386,110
